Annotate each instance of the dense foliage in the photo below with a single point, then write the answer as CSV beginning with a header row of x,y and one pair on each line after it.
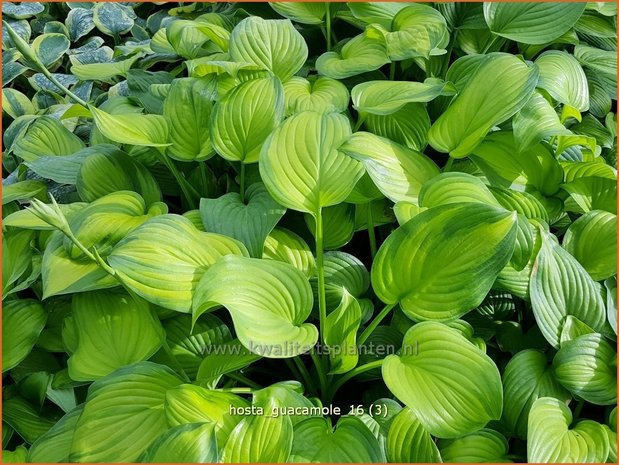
x,y
218,218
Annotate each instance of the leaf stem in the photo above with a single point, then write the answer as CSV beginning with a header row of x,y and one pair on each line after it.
x,y
371,232
577,410
243,379
237,390
352,373
57,83
322,378
187,189
320,265
328,24
242,183
392,71
374,324
360,121
301,374
448,165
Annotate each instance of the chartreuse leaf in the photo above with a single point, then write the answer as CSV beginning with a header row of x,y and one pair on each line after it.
x,y
397,171
133,129
359,55
483,446
190,404
611,301
551,439
269,307
271,44
322,94
351,442
16,257
591,240
421,267
23,321
187,109
23,190
248,220
535,122
338,225
560,286
591,193
340,336
500,87
245,117
417,31
190,347
123,414
376,12
46,136
112,329
288,394
563,78
387,97
122,173
407,126
447,188
344,273
532,23
288,247
408,441
451,386
226,358
527,377
105,72
54,446
312,175
301,12
586,366
163,260
190,443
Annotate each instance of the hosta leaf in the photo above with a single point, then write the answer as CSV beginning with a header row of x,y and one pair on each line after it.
x,y
340,336
149,130
312,175
46,136
397,171
500,87
527,377
259,439
338,225
352,441
16,258
122,173
22,10
535,122
105,72
54,446
419,267
451,386
222,359
484,446
189,404
586,367
123,414
409,442
551,439
407,126
301,12
23,190
26,419
447,188
23,321
359,55
591,240
322,95
560,286
603,63
376,12
532,23
417,31
611,301
16,104
286,394
344,273
194,442
103,320
563,78
187,109
113,18
271,44
163,260
245,117
269,308
49,48
79,22
285,246
387,97
591,193
248,220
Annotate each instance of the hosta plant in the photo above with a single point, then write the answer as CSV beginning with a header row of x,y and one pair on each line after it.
x,y
309,232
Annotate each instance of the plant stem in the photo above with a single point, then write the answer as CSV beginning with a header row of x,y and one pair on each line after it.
x,y
328,23
360,121
447,167
375,322
352,373
186,188
242,183
322,299
305,375
236,390
392,71
322,378
242,379
371,232
489,44
51,77
577,410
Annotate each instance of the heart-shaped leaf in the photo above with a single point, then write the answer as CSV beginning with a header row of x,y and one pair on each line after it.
x,y
563,78
359,55
269,308
250,220
191,443
452,387
409,442
148,130
46,136
484,446
301,12
285,246
322,95
419,267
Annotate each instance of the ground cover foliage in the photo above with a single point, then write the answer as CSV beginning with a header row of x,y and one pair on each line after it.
x,y
218,217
